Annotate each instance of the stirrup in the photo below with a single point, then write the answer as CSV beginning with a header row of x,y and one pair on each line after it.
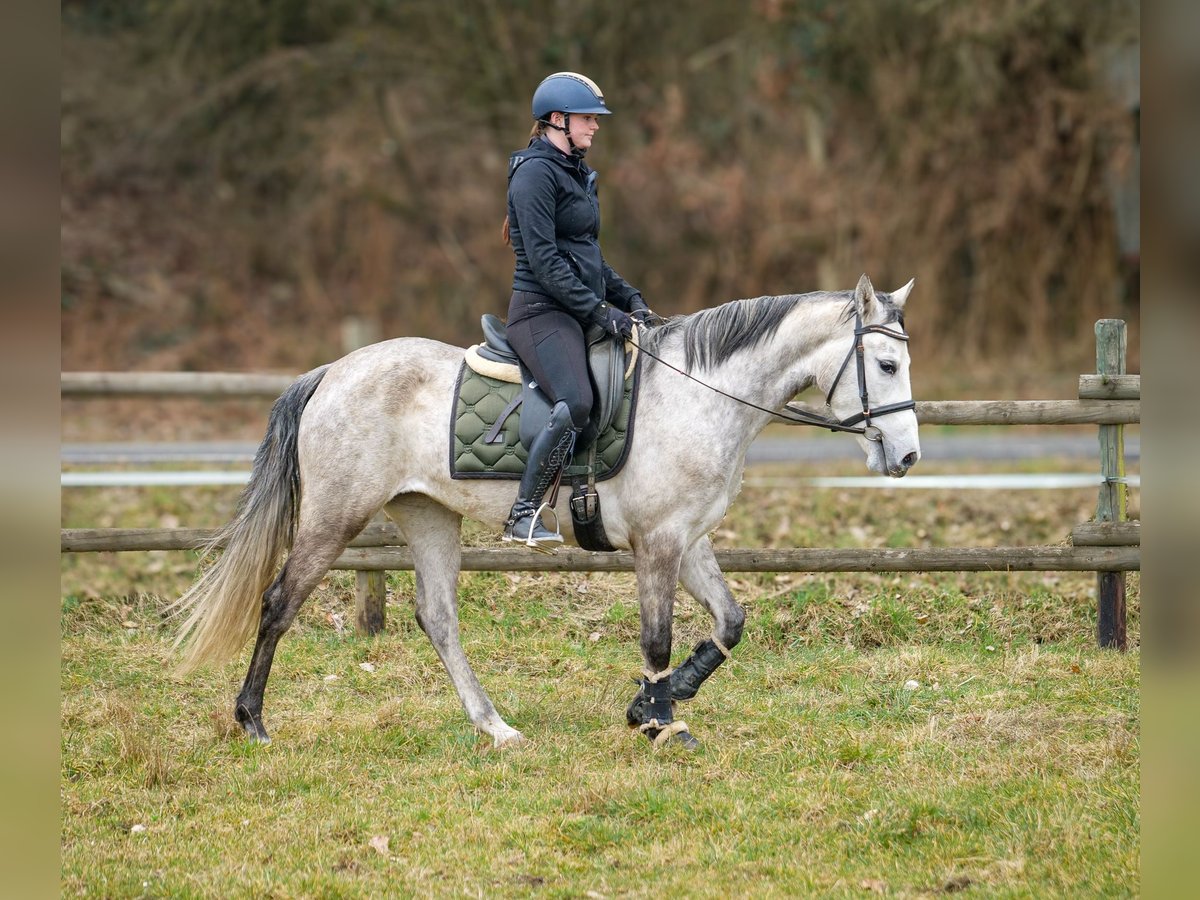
x,y
540,544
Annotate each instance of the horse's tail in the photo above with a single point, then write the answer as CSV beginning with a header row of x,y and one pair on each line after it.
x,y
222,609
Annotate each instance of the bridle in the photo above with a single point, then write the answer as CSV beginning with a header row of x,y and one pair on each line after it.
x,y
869,431
797,415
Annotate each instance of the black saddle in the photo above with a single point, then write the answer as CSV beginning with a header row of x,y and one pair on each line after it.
x,y
607,362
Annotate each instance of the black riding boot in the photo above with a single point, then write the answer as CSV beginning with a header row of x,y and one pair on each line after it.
x,y
551,448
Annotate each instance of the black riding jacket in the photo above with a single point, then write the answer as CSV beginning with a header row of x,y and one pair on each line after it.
x,y
554,224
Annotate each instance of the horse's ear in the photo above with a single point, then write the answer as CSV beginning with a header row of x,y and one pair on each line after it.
x,y
864,297
900,296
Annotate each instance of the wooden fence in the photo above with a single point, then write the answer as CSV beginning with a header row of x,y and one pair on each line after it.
x,y
1110,545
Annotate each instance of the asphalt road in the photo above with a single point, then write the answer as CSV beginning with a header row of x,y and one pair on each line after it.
x,y
765,449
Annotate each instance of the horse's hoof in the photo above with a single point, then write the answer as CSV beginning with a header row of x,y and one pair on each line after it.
x,y
255,733
253,726
685,740
510,738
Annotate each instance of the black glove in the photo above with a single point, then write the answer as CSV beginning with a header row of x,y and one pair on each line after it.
x,y
641,313
615,322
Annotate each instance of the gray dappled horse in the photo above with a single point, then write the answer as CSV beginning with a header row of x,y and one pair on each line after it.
x,y
369,432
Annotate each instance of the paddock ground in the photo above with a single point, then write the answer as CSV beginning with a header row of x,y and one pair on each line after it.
x,y
1011,768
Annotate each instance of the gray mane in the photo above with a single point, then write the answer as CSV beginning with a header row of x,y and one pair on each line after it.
x,y
711,336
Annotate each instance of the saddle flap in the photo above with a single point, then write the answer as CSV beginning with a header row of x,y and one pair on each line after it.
x,y
606,363
535,407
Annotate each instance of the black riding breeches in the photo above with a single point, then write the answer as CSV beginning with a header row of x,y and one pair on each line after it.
x,y
550,342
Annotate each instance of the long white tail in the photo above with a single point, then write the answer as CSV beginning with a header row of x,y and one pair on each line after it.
x,y
222,609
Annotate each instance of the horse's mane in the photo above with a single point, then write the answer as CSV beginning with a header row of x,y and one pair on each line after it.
x,y
712,336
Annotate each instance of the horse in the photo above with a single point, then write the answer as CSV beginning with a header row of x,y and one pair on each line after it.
x,y
369,432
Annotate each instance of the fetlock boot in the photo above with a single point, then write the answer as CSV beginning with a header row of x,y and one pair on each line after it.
x,y
550,451
659,711
659,723
685,681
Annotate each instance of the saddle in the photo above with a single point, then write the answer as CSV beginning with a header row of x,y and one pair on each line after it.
x,y
610,363
499,408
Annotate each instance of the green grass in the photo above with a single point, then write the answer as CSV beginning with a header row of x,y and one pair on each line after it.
x,y
1012,768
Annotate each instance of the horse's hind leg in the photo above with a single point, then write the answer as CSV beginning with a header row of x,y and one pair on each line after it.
x,y
313,552
433,533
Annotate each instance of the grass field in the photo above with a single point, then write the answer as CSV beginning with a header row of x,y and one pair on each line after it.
x,y
1010,769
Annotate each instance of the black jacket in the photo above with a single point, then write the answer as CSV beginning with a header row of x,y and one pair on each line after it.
x,y
554,224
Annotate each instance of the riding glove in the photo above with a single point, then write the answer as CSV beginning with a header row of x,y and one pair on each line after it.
x,y
641,313
613,321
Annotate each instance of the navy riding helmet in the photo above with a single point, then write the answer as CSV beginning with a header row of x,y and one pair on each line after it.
x,y
568,92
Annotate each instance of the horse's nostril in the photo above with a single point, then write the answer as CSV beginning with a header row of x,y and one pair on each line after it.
x,y
909,461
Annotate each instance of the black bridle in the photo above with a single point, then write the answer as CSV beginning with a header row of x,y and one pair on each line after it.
x,y
859,353
799,416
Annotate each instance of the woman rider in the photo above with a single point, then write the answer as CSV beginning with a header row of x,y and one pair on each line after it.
x,y
562,283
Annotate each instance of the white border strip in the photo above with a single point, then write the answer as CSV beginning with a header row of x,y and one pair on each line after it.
x,y
151,479
1005,481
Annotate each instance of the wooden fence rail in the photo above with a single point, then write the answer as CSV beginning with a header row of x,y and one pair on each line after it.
x,y
1090,411
1109,546
173,384
89,540
385,534
379,548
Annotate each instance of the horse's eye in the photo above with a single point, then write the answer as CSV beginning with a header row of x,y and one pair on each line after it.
x,y
889,367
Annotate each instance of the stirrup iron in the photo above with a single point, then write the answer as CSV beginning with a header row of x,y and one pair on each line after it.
x,y
543,544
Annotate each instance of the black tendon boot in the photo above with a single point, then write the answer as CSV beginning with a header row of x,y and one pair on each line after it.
x,y
685,680
659,708
550,451
659,724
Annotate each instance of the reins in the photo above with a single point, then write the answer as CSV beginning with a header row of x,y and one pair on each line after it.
x,y
798,416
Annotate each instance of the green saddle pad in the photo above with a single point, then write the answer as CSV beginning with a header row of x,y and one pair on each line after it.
x,y
479,401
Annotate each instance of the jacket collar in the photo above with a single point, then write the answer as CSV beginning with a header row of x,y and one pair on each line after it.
x,y
541,148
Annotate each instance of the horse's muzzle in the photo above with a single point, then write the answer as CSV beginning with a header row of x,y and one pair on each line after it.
x,y
900,469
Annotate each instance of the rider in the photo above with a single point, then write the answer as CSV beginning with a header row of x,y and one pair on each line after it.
x,y
562,283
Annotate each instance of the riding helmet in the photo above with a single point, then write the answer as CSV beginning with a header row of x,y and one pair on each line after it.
x,y
568,92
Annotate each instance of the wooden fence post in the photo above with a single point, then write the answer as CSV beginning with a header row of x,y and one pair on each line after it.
x,y
370,593
1111,504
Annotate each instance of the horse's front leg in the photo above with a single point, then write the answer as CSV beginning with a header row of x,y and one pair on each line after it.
x,y
702,578
656,561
